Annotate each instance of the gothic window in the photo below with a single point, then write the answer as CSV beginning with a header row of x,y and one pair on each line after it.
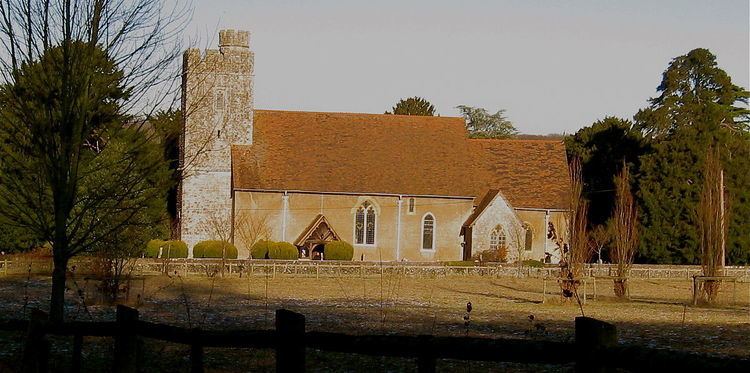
x,y
428,232
529,236
412,205
220,102
365,224
497,238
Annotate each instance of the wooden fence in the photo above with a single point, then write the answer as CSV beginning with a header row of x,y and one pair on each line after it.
x,y
595,347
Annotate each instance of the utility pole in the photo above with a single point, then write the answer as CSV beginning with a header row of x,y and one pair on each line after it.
x,y
723,230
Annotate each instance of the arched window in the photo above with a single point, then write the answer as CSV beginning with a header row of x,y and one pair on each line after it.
x,y
365,224
529,236
428,232
497,238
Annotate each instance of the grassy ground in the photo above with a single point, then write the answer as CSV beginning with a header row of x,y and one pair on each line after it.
x,y
657,316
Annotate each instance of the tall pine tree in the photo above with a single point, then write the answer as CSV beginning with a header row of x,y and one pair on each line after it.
x,y
696,109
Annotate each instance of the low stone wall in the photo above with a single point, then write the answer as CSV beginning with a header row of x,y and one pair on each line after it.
x,y
212,267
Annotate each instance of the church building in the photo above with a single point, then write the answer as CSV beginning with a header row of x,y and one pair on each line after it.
x,y
398,188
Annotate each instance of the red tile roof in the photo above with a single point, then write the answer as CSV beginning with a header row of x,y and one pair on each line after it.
x,y
395,154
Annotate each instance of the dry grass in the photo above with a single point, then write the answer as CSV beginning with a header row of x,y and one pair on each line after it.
x,y
429,306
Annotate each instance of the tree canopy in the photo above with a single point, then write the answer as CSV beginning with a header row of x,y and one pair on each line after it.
x,y
413,106
75,170
483,125
696,110
602,147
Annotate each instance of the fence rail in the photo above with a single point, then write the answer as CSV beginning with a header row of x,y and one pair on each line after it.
x,y
594,349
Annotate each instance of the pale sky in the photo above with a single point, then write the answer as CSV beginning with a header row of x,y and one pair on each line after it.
x,y
555,66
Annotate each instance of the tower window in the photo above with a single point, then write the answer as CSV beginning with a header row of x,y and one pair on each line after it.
x,y
412,205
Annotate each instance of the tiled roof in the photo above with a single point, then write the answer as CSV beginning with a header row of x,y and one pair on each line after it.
x,y
395,154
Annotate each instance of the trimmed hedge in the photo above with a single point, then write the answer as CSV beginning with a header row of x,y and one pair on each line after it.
x,y
283,250
274,250
533,263
260,249
214,249
173,249
338,250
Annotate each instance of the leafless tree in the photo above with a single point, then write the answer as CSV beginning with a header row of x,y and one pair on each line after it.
x,y
251,228
711,224
624,231
574,245
599,238
76,186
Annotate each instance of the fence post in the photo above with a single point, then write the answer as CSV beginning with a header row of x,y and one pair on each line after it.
x,y
592,338
426,360
196,352
290,341
36,348
126,340
75,364
695,290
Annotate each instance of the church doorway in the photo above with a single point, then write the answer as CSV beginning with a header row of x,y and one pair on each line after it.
x,y
313,239
317,252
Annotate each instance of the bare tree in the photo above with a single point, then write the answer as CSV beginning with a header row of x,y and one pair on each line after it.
x,y
574,246
251,228
517,235
599,238
77,75
624,231
711,224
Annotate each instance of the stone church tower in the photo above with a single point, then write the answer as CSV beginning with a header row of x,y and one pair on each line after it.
x,y
217,107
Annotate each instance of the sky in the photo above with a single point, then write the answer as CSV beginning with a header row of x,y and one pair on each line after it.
x,y
554,66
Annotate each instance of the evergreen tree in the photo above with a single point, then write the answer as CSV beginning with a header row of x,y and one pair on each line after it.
x,y
602,147
482,125
695,110
413,106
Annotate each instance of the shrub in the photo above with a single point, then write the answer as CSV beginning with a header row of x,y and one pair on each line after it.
x,y
283,250
460,263
260,249
338,250
214,249
500,255
175,249
533,263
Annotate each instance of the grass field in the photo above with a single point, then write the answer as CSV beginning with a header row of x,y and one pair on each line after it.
x,y
657,315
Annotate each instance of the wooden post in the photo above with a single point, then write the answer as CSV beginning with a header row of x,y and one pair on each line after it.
x,y
196,352
290,343
36,347
544,289
593,280
695,290
75,364
126,340
426,360
592,338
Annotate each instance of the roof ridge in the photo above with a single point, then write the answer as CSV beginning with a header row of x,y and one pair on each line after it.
x,y
357,113
515,140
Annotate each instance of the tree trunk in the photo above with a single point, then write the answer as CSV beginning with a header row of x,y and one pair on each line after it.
x,y
621,288
57,302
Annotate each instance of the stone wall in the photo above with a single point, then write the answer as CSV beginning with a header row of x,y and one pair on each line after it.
x,y
217,104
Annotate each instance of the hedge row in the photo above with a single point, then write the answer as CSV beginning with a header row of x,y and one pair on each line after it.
x,y
338,250
215,249
168,249
265,249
